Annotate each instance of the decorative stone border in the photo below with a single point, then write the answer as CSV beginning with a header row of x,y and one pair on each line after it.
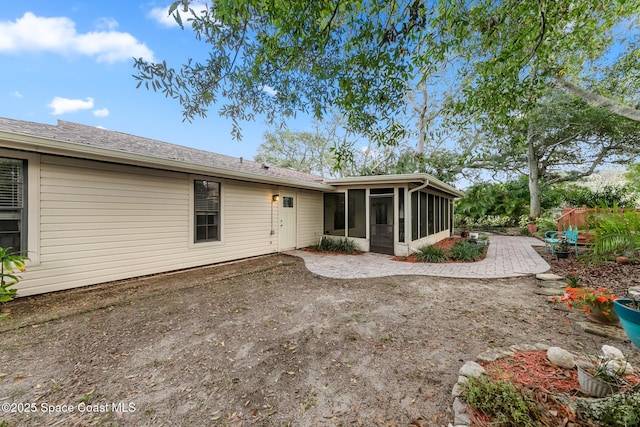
x,y
556,355
474,369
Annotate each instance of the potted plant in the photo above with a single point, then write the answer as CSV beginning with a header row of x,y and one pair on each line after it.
x,y
628,310
562,249
603,375
598,304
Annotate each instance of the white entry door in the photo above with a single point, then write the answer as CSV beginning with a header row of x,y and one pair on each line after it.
x,y
287,214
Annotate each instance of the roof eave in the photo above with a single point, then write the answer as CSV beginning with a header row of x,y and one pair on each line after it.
x,y
395,179
64,148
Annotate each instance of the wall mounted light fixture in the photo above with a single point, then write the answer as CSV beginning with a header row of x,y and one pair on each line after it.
x,y
275,197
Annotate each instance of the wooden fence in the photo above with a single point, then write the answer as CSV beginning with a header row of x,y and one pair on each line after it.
x,y
577,217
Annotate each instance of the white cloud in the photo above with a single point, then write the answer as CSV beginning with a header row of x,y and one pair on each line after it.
x,y
16,94
102,112
33,33
101,127
269,90
106,24
65,105
161,14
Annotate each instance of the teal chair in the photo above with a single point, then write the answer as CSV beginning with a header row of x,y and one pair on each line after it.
x,y
550,240
571,236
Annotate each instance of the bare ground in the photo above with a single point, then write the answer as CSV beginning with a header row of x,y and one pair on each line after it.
x,y
263,342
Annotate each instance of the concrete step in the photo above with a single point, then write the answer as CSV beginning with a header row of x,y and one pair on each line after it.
x,y
549,291
556,284
548,276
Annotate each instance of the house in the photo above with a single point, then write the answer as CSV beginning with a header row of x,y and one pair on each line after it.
x,y
91,206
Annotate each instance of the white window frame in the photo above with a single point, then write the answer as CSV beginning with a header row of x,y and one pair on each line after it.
x,y
192,216
32,202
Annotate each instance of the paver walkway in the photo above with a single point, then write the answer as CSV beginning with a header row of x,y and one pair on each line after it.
x,y
507,256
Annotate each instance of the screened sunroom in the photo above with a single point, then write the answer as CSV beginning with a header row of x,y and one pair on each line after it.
x,y
389,214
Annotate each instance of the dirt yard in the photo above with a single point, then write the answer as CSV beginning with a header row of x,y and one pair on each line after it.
x,y
262,342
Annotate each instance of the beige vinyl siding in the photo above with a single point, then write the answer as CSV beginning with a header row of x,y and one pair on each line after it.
x,y
102,222
246,224
309,217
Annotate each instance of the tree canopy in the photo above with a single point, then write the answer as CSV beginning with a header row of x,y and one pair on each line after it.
x,y
301,151
277,57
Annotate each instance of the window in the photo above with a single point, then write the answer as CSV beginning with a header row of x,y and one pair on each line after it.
x,y
431,215
12,209
401,215
287,202
414,216
357,213
334,213
423,214
207,210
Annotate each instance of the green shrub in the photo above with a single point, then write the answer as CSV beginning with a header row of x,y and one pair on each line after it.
x,y
609,195
618,410
342,245
466,251
11,263
616,234
502,401
430,253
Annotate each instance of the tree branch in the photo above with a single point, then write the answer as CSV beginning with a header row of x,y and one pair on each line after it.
x,y
612,105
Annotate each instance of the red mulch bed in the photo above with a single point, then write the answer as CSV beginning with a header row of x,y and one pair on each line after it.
x,y
532,370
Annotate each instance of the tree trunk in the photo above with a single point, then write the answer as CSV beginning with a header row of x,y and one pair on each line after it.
x,y
534,188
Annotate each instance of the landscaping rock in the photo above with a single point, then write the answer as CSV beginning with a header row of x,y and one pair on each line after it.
x,y
549,291
457,390
460,416
612,332
524,347
616,361
548,276
471,369
561,357
492,355
555,284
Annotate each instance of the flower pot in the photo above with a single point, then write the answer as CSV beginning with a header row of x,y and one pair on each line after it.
x,y
562,254
629,319
594,386
532,228
596,308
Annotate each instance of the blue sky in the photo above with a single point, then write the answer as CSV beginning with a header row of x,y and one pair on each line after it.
x,y
71,60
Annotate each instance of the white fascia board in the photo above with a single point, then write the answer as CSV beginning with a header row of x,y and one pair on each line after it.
x,y
395,179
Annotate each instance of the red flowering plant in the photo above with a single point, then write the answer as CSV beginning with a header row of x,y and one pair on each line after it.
x,y
590,300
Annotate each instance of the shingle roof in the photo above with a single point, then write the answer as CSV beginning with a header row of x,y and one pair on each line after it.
x,y
126,143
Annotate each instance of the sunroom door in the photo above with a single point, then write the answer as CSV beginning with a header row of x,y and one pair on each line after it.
x,y
381,224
